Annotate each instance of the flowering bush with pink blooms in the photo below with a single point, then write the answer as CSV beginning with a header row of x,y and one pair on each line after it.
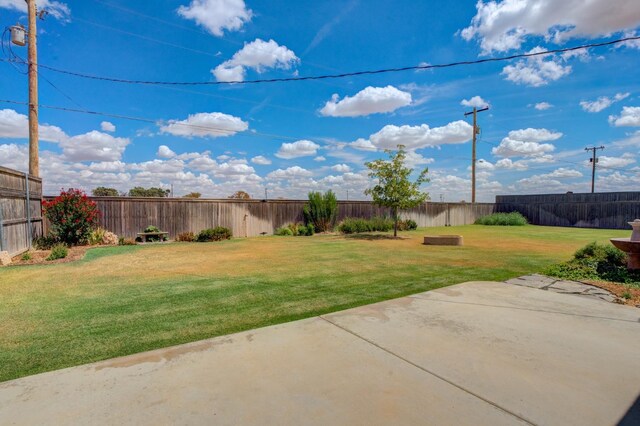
x,y
72,216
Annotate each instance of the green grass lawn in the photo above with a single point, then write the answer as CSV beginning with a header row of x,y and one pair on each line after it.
x,y
123,300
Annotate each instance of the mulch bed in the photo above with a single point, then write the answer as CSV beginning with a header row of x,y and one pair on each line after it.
x,y
38,257
620,290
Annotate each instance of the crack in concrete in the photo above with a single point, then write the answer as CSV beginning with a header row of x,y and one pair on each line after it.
x,y
438,376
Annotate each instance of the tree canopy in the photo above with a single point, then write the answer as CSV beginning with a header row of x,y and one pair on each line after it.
x,y
240,195
139,191
103,191
394,189
192,195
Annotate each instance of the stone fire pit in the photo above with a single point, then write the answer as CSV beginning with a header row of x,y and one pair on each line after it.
x,y
443,240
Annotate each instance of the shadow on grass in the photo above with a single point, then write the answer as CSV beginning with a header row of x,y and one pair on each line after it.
x,y
374,237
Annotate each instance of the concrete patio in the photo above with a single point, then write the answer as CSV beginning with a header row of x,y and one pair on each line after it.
x,y
475,353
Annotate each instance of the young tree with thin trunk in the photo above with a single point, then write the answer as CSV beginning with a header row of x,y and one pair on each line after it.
x,y
394,189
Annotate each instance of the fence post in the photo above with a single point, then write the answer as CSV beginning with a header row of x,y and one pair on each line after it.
x,y
29,229
2,245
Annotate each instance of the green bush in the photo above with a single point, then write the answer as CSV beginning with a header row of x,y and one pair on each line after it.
x,y
595,262
186,237
218,233
503,219
356,225
45,242
152,228
321,210
59,251
284,231
26,256
411,224
296,229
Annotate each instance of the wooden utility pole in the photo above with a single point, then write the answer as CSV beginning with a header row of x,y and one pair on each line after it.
x,y
476,130
34,162
593,160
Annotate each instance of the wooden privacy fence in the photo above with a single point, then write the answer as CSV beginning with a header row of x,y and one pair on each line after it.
x,y
127,216
610,210
20,210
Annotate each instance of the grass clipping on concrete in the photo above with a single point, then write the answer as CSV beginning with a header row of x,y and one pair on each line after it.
x,y
128,299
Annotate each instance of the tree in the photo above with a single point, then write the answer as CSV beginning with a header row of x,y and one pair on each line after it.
x,y
139,191
103,191
321,210
192,195
394,189
72,216
240,195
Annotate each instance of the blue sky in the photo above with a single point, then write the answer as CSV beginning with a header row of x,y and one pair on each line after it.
x,y
299,136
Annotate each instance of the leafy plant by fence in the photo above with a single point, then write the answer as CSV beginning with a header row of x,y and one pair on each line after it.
x,y
502,219
321,210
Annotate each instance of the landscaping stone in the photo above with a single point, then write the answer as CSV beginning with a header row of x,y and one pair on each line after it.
x,y
543,282
5,259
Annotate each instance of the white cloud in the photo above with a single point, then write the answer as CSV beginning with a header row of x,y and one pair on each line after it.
x,y
536,71
541,106
94,146
632,140
217,15
630,116
56,9
107,126
540,184
614,162
631,44
258,55
341,168
363,145
534,135
602,102
415,137
165,152
320,158
16,125
261,160
502,26
205,124
563,173
370,100
476,102
289,173
302,148
526,143
413,159
507,163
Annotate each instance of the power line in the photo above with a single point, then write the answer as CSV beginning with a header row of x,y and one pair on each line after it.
x,y
341,75
221,131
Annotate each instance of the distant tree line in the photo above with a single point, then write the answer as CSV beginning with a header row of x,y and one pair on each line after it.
x,y
139,191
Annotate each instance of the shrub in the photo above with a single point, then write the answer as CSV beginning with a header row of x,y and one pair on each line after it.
x,y
26,256
72,216
502,219
186,237
109,239
321,210
356,225
152,228
411,224
218,233
595,262
122,241
45,242
96,236
152,238
59,251
284,231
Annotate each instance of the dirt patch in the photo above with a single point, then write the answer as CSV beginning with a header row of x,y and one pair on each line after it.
x,y
39,257
627,295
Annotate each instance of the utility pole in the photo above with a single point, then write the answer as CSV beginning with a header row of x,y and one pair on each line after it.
x,y
476,131
593,161
34,162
